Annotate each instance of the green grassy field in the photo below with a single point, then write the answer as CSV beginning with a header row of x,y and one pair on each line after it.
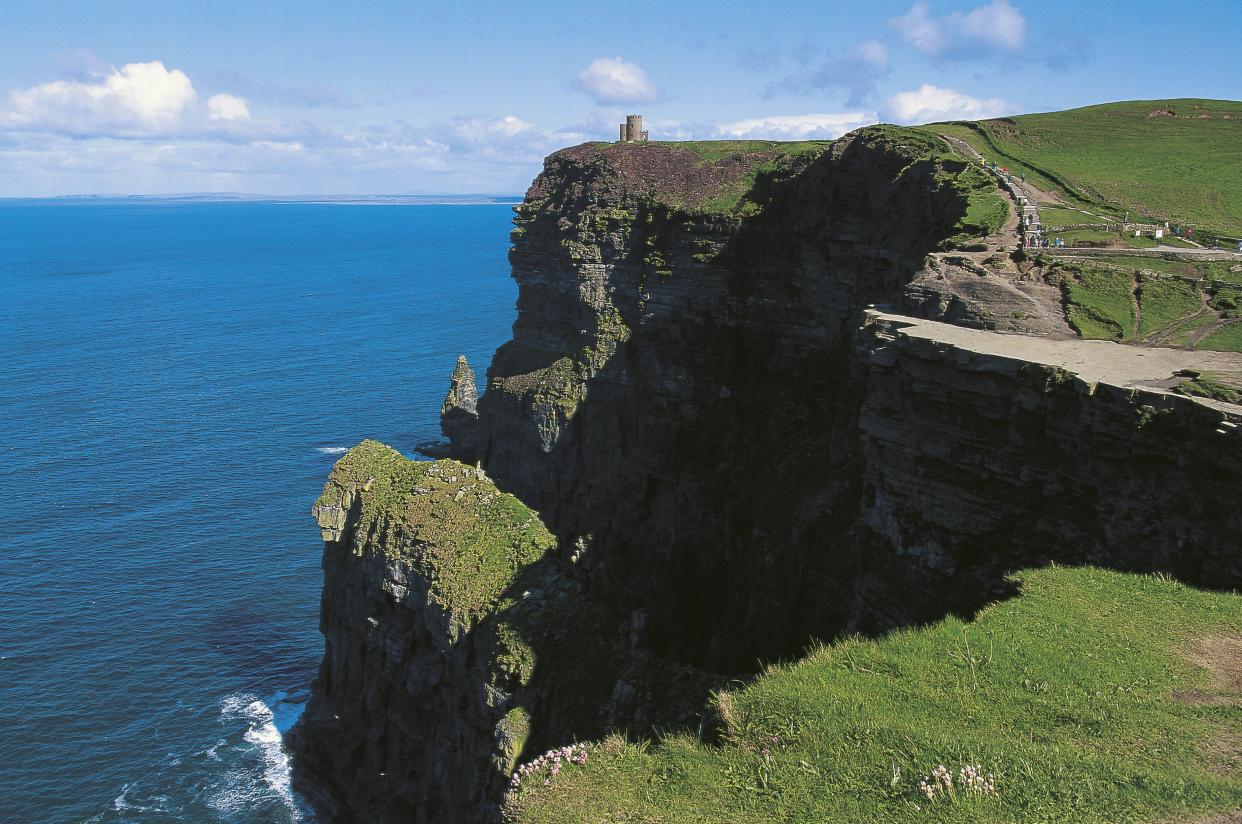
x,y
1226,339
1181,336
1220,386
1119,298
1099,238
1057,216
1165,302
1117,157
1081,697
1210,270
1100,302
713,151
1078,237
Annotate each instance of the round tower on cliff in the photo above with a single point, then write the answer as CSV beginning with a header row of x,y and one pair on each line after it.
x,y
632,129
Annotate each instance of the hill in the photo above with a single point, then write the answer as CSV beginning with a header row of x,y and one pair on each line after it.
x,y
1175,160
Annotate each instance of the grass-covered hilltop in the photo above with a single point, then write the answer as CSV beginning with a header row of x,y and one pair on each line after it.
x,y
892,478
1160,160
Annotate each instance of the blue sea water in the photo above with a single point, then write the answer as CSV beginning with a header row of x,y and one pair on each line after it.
x,y
176,380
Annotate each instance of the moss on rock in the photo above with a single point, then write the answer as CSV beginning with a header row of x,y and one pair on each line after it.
x,y
463,535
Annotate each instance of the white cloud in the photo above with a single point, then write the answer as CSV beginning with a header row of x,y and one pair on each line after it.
x,y
140,98
613,80
995,26
227,107
139,101
930,103
796,126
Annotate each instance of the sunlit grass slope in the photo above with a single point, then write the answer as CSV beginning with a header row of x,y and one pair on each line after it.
x,y
1177,160
1082,697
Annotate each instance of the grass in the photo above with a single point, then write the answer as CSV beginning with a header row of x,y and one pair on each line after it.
x,y
986,211
1115,157
772,155
1226,339
1100,303
460,533
714,151
1181,336
1228,302
1103,238
1088,237
1057,216
1224,271
1220,386
1066,693
1165,302
1128,299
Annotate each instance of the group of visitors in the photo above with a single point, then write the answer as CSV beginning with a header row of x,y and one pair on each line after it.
x,y
1038,242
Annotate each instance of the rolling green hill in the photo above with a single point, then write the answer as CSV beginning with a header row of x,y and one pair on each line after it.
x,y
1175,160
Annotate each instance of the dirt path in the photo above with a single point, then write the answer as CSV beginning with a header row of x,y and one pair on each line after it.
x,y
1161,336
1032,193
1199,334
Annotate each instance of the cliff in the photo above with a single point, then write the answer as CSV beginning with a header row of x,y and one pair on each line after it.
x,y
983,454
734,453
455,640
677,395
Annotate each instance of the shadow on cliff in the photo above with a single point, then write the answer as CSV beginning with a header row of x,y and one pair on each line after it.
x,y
715,469
710,466
587,673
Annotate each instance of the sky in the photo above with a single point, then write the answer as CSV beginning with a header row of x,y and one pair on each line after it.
x,y
385,97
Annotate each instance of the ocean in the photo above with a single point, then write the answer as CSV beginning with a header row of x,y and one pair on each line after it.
x,y
176,380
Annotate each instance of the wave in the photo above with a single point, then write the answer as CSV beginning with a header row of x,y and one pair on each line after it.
x,y
121,804
266,722
332,450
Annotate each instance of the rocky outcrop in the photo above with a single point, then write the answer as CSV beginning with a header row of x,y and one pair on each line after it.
x,y
687,399
423,700
676,398
456,640
459,415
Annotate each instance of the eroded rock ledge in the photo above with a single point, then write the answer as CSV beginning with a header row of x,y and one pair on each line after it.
x,y
985,453
456,638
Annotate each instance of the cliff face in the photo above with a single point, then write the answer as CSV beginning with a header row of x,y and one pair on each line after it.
x,y
733,454
982,455
676,398
687,400
456,639
437,657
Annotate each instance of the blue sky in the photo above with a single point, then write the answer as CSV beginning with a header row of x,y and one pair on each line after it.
x,y
406,97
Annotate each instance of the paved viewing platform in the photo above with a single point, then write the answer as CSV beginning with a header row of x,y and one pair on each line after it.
x,y
1094,361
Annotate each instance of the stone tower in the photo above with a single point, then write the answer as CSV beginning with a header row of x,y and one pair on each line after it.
x,y
632,129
